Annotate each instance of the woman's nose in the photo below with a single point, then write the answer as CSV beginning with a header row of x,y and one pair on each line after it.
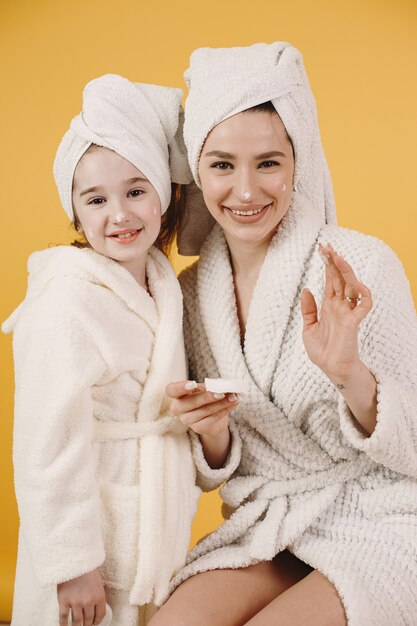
x,y
245,187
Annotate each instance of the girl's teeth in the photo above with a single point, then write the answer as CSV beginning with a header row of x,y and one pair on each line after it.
x,y
247,212
126,235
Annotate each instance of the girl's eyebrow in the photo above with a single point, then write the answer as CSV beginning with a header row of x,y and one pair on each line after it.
x,y
130,181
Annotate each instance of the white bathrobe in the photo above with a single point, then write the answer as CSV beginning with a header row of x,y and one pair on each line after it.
x,y
302,476
104,476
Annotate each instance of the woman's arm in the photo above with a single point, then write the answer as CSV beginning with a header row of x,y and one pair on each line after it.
x,y
378,402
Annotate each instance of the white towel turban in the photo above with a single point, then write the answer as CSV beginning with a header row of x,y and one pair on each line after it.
x,y
142,123
227,81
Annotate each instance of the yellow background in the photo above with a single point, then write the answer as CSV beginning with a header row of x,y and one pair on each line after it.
x,y
361,59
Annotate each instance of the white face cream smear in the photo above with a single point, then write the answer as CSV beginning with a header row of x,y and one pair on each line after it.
x,y
284,187
246,195
119,217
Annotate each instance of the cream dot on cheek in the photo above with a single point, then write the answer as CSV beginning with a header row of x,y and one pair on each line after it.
x,y
90,233
284,187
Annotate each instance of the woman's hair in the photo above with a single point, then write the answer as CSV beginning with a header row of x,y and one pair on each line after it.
x,y
170,221
269,107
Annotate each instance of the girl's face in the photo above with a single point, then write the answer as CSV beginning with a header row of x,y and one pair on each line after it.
x,y
246,170
117,207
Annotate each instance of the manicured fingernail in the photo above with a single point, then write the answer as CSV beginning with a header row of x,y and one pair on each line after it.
x,y
324,258
232,397
190,385
218,396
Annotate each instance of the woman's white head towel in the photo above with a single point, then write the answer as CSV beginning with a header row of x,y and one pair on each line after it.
x,y
142,123
225,81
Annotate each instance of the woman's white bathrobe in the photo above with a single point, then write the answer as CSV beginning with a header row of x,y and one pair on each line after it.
x,y
104,476
302,475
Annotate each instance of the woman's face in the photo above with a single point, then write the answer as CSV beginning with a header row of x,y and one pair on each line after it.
x,y
246,170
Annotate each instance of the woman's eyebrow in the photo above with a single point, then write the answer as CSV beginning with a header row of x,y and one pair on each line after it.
x,y
221,155
268,155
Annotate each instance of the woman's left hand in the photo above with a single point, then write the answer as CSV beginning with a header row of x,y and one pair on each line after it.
x,y
331,340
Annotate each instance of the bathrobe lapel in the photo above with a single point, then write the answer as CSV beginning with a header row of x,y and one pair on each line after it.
x,y
272,302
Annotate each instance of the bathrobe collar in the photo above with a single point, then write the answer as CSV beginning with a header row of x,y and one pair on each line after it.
x,y
275,294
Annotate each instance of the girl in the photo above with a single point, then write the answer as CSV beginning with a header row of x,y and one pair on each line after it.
x,y
322,464
104,475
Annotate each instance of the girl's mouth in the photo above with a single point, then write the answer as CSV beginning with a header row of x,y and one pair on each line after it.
x,y
126,236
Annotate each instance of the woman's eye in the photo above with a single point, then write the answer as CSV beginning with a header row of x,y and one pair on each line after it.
x,y
96,201
268,164
134,193
221,165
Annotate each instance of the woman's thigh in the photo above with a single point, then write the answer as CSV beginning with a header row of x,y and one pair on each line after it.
x,y
313,601
230,597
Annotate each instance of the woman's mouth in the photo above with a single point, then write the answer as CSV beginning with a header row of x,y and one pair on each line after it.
x,y
247,214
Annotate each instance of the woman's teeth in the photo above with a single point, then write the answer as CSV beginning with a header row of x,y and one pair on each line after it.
x,y
247,212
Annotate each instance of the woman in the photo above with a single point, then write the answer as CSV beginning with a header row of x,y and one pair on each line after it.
x,y
321,495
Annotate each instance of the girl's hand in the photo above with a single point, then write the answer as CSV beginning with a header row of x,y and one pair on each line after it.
x,y
86,599
332,341
204,412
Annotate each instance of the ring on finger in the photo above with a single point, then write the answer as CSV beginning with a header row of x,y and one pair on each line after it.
x,y
354,301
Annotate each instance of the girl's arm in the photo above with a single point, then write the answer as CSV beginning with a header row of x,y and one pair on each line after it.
x,y
56,363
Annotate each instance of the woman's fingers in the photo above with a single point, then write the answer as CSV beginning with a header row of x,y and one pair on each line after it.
x,y
204,407
100,612
88,615
183,388
337,279
362,309
213,424
64,611
308,308
77,615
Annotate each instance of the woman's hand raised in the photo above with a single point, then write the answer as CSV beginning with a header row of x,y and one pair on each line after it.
x,y
331,339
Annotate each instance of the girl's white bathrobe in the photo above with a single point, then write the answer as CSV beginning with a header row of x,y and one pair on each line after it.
x,y
303,476
104,476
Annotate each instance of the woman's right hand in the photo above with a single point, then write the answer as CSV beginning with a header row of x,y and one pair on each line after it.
x,y
86,599
205,413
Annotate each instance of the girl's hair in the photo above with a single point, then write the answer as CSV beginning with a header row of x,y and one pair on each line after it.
x,y
170,221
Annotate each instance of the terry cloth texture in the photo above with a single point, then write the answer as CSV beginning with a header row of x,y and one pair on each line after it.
x,y
225,81
307,479
142,123
104,475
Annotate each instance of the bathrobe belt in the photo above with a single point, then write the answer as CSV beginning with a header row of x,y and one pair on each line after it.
x,y
119,431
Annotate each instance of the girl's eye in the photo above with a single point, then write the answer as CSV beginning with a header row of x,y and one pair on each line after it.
x,y
268,164
96,201
221,165
134,193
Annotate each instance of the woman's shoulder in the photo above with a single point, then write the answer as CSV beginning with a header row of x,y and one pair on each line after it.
x,y
358,247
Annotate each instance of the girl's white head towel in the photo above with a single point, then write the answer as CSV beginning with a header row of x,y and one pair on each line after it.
x,y
225,81
142,123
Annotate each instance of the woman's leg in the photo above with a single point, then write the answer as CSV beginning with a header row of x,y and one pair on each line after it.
x,y
313,601
230,597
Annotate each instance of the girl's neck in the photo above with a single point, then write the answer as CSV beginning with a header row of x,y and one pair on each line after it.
x,y
138,270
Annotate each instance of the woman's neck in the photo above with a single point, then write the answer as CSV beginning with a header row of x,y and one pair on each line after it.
x,y
246,257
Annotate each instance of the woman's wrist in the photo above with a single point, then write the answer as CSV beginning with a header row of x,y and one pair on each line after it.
x,y
359,389
216,448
